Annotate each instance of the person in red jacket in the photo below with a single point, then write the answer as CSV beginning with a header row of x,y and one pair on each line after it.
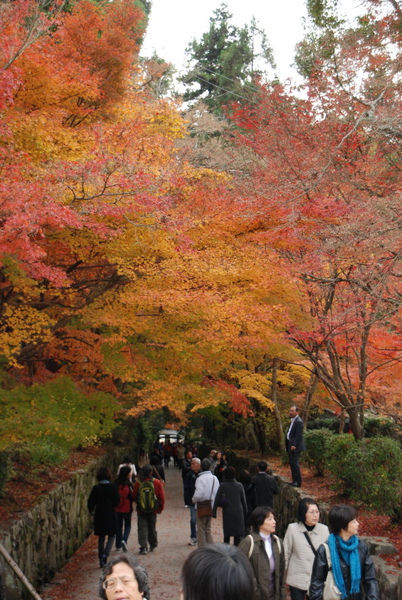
x,y
149,496
124,509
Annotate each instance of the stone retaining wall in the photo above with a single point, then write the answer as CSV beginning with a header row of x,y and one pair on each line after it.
x,y
43,539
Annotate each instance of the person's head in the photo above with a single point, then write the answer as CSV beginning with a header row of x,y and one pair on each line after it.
x,y
124,577
218,455
244,477
195,464
217,572
127,460
104,473
147,471
343,520
155,460
262,465
293,411
124,475
205,464
189,455
262,520
308,512
229,473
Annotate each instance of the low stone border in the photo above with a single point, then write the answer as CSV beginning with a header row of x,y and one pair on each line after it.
x,y
44,538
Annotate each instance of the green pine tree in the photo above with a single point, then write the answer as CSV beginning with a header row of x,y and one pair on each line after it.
x,y
226,62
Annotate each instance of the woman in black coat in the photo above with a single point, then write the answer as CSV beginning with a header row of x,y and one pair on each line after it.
x,y
104,497
231,497
351,564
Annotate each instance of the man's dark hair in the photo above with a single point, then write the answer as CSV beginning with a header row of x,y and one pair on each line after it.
x,y
147,470
229,473
205,464
139,573
217,572
340,515
259,515
262,465
303,508
104,473
295,407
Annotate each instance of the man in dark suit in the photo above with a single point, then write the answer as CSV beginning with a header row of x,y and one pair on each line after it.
x,y
295,444
265,486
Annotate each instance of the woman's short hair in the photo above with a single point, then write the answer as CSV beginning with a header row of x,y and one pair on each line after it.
x,y
217,572
104,473
340,515
229,473
259,515
303,508
139,572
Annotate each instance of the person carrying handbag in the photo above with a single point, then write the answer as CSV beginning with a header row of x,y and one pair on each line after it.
x,y
349,573
206,487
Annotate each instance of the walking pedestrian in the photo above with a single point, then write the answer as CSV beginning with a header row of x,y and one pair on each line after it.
x,y
189,490
103,499
149,496
206,487
232,499
124,509
266,486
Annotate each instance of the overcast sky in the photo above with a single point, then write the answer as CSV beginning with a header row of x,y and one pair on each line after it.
x,y
174,24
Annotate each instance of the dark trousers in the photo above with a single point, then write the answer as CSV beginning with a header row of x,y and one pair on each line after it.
x,y
102,549
297,594
123,520
147,530
294,466
236,540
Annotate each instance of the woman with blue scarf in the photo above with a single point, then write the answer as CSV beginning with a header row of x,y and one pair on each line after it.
x,y
352,565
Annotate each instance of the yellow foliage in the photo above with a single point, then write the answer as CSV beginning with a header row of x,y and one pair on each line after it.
x,y
22,325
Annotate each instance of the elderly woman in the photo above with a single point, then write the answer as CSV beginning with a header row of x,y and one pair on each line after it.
x,y
265,553
217,572
351,563
301,543
124,578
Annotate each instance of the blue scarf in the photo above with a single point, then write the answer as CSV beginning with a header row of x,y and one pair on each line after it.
x,y
351,557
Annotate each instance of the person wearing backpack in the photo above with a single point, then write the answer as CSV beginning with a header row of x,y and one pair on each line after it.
x,y
265,552
149,497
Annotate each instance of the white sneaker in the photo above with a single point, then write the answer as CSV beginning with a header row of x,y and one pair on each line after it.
x,y
193,542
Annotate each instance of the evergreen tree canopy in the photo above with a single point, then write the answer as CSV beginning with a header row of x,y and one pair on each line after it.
x,y
226,61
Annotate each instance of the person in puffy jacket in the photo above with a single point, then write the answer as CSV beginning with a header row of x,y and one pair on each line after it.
x,y
351,563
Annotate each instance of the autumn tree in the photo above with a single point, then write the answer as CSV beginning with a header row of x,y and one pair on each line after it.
x,y
325,192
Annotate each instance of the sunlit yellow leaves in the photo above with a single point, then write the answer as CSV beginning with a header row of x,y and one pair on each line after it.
x,y
22,325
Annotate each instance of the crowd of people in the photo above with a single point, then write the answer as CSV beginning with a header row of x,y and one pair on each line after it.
x,y
311,561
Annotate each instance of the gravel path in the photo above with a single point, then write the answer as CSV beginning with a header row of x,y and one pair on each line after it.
x,y
79,578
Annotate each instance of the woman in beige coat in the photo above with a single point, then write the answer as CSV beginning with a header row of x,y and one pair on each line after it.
x,y
301,542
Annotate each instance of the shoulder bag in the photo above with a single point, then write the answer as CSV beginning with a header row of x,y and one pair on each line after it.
x,y
331,592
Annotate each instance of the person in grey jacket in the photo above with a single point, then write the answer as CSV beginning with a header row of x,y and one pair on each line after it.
x,y
232,499
351,563
301,542
206,487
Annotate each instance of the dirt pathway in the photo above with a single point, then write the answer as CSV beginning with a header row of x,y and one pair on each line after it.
x,y
79,578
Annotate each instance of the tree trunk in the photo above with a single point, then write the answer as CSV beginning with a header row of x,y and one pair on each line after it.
x,y
309,396
356,421
279,429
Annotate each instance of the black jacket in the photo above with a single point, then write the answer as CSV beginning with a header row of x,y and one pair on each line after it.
x,y
265,487
320,570
296,436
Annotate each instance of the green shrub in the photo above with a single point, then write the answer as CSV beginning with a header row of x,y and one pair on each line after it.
x,y
5,470
369,471
317,442
380,426
47,453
